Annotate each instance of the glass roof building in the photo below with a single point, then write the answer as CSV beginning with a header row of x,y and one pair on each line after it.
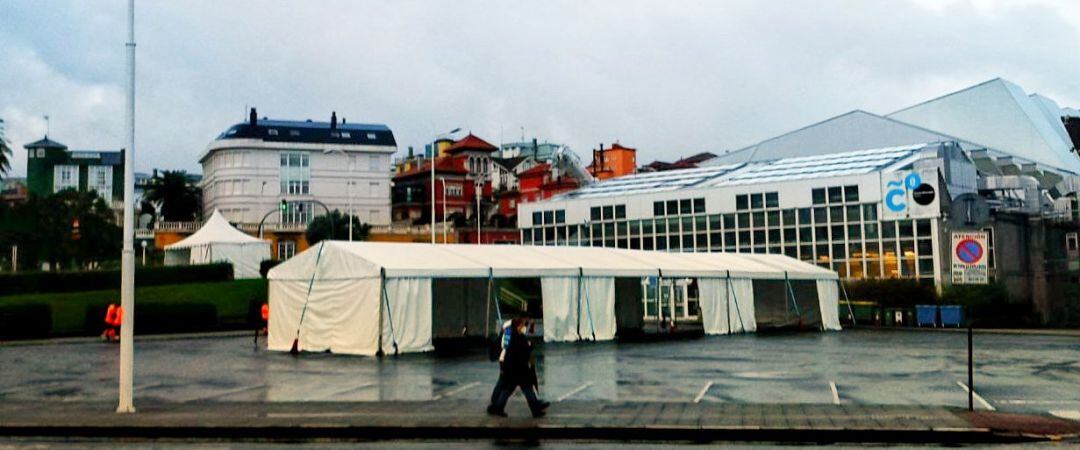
x,y
838,210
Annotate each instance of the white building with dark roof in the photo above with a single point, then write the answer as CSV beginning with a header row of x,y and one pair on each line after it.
x,y
251,167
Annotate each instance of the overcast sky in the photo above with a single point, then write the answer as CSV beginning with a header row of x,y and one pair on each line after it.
x,y
669,78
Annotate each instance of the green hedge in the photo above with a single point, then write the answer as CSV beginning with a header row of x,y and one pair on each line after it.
x,y
990,306
892,293
48,282
158,309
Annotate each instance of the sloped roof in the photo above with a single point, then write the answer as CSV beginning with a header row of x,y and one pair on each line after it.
x,y
471,142
45,143
216,230
998,114
851,131
446,164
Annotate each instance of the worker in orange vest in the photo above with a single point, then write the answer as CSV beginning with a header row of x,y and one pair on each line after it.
x,y
114,317
265,312
265,316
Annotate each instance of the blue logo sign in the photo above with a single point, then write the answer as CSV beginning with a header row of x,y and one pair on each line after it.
x,y
894,197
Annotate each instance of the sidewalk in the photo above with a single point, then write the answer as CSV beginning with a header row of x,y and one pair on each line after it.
x,y
571,420
1017,331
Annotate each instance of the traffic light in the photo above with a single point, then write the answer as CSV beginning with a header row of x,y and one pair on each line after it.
x,y
284,206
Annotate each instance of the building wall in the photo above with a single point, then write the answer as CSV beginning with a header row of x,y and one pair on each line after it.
x,y
242,178
850,236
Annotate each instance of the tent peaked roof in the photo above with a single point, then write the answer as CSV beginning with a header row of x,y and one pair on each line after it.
x,y
350,260
216,230
1000,115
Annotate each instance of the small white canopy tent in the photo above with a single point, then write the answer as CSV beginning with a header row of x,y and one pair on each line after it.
x,y
218,241
363,297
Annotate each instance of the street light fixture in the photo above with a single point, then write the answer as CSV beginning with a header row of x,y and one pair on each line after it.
x,y
348,186
433,154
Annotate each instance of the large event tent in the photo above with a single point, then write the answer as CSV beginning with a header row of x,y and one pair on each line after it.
x,y
358,297
218,241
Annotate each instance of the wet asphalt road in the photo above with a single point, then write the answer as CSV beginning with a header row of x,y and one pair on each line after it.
x,y
1022,373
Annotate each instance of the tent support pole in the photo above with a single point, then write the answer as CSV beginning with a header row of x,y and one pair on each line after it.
x,y
735,297
487,308
787,283
577,326
848,300
727,301
382,286
659,303
303,312
588,303
389,318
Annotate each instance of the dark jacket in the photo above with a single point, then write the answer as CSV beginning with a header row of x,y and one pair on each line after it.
x,y
517,365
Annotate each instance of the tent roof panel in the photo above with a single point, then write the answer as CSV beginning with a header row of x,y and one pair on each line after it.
x,y
216,230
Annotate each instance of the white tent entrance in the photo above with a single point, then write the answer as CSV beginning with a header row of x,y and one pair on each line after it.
x,y
370,298
218,241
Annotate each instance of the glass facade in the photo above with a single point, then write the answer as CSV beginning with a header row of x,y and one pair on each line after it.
x,y
837,231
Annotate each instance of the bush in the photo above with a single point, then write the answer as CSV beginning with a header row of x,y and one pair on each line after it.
x,y
266,265
158,309
49,282
990,306
25,321
892,293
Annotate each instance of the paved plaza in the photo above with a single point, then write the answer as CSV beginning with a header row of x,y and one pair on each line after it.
x,y
1014,373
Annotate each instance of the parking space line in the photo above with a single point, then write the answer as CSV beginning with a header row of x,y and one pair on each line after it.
x,y
835,393
978,397
704,390
1037,402
456,390
226,393
1065,414
573,392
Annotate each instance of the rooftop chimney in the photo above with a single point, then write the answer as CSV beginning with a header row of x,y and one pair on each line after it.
x,y
253,117
333,120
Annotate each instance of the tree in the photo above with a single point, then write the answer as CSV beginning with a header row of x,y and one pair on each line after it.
x,y
45,230
5,152
178,199
320,227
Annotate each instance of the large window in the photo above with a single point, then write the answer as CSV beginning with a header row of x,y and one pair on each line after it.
x,y
295,173
99,179
297,213
65,177
286,249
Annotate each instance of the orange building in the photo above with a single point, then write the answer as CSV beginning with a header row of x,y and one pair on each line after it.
x,y
613,162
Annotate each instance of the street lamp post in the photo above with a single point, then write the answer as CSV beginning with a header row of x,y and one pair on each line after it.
x,y
127,260
348,186
433,154
479,187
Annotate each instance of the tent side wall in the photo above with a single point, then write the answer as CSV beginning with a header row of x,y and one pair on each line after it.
x,y
829,302
727,305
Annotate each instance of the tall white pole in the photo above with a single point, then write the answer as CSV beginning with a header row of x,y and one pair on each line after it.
x,y
352,163
127,281
433,150
443,181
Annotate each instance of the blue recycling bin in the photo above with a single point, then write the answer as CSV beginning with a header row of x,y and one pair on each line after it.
x,y
952,315
926,315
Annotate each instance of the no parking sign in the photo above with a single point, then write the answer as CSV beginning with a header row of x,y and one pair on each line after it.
x,y
969,258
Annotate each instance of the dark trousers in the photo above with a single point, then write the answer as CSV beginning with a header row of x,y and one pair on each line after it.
x,y
499,386
508,389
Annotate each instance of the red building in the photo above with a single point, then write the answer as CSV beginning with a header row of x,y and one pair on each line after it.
x,y
467,163
540,183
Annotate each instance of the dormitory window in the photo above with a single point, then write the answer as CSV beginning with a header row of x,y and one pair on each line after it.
x,y
295,173
835,195
65,177
757,201
684,206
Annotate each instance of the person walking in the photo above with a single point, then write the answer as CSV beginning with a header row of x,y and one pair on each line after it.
x,y
517,371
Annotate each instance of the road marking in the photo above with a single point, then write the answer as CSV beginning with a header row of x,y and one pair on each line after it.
x,y
456,390
1037,402
704,390
835,393
1066,414
573,392
226,393
978,397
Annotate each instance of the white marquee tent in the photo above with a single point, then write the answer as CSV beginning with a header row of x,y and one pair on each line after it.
x,y
218,241
360,297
